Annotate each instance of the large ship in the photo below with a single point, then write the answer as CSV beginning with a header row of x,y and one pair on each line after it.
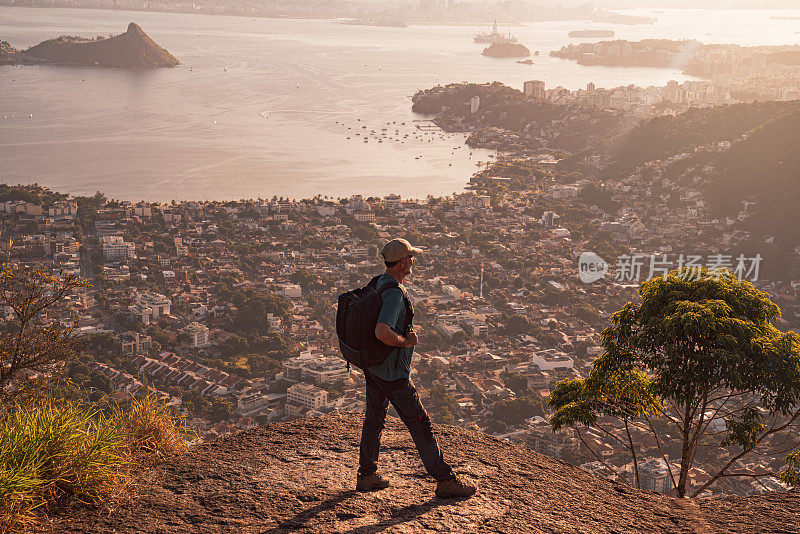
x,y
495,37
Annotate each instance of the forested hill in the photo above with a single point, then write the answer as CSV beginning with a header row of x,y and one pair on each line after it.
x,y
761,165
664,136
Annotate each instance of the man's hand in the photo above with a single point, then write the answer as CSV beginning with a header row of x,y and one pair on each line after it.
x,y
384,333
411,339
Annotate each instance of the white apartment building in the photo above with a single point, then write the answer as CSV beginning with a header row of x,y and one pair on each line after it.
x,y
564,191
292,291
357,202
20,206
544,441
550,359
325,371
148,307
393,202
475,328
63,207
134,343
274,323
364,216
143,210
116,249
307,396
198,333
654,475
534,89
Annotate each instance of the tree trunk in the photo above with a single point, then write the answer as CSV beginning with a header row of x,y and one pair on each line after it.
x,y
633,455
685,452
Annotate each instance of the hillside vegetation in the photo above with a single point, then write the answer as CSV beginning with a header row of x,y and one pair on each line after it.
x,y
761,166
663,136
764,168
55,454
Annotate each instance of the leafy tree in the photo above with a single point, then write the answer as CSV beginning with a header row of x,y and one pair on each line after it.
x,y
443,402
518,324
260,364
253,309
625,396
99,343
791,473
305,278
28,344
700,347
515,410
517,383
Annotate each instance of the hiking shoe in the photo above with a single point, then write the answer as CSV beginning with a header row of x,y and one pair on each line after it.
x,y
454,488
371,482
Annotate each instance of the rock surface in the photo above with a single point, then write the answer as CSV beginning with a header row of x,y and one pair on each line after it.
x,y
299,476
132,49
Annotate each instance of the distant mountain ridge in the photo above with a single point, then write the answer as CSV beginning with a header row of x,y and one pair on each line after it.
x,y
299,477
132,49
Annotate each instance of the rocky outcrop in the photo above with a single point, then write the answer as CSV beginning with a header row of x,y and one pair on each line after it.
x,y
506,50
300,476
132,49
7,52
11,56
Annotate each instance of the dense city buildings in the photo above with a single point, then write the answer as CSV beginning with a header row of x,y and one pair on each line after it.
x,y
226,309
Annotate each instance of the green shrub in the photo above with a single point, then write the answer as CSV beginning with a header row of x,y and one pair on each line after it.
x,y
58,453
152,431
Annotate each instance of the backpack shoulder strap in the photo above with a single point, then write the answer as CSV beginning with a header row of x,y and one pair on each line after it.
x,y
406,300
390,285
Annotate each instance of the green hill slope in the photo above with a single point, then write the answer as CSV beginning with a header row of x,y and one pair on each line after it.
x,y
664,136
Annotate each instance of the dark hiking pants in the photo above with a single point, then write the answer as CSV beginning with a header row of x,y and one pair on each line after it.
x,y
403,396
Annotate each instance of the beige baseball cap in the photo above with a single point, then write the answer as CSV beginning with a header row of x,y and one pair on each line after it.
x,y
397,249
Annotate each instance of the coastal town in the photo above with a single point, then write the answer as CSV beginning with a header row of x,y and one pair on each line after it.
x,y
727,74
225,310
596,324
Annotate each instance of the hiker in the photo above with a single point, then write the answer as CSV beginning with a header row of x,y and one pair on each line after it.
x,y
389,382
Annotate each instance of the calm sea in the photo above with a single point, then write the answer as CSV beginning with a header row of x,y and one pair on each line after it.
x,y
264,107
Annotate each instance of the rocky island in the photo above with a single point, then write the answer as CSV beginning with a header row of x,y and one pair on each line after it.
x,y
132,49
506,50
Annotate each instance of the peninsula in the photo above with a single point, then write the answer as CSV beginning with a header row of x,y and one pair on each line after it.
x,y
132,49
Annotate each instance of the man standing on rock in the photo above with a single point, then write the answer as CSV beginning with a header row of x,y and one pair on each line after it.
x,y
389,382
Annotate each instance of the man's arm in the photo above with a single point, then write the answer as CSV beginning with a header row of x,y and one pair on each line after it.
x,y
385,334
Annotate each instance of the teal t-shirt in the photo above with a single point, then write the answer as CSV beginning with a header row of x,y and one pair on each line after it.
x,y
393,312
